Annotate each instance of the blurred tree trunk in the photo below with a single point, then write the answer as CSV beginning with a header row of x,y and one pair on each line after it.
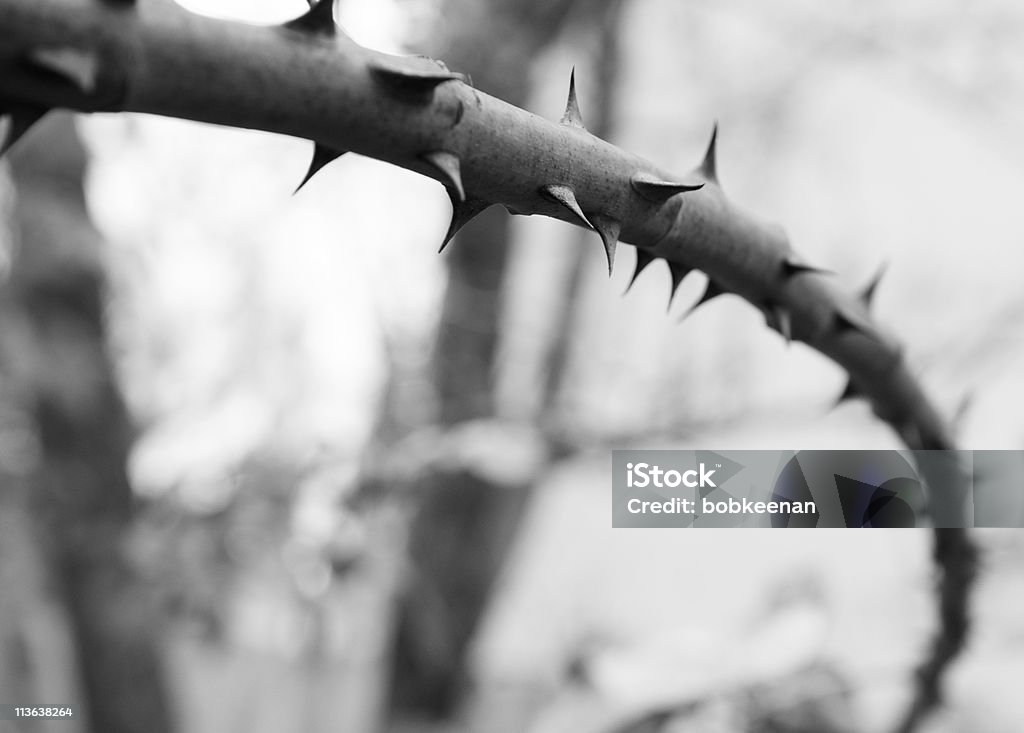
x,y
465,521
54,357
469,331
600,120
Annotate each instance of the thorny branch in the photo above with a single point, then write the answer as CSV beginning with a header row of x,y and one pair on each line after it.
x,y
307,79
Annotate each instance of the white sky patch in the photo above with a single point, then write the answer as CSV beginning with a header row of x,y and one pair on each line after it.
x,y
252,11
378,25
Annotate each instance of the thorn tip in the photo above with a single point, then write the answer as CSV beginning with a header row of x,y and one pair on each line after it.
x,y
709,166
711,291
609,229
462,213
322,155
572,116
643,259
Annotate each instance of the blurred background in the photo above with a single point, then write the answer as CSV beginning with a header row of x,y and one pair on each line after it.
x,y
270,464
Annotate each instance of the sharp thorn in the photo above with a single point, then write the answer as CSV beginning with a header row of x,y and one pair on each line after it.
x,y
709,166
711,291
565,196
678,273
322,155
658,191
609,230
447,164
411,74
462,213
19,121
319,19
792,266
572,116
73,65
867,295
643,259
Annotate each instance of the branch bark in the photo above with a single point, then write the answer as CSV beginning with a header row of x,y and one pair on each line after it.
x,y
308,80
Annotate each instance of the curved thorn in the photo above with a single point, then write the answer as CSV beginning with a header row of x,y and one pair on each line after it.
x,y
713,290
609,230
411,74
643,259
462,213
20,120
572,116
709,166
447,164
792,266
565,196
73,65
319,19
322,155
658,191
